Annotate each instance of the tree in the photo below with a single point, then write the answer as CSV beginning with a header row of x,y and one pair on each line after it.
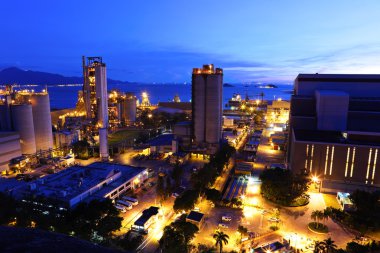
x,y
354,247
282,186
317,215
186,201
177,173
213,195
186,228
172,241
220,239
168,186
330,245
177,236
80,149
160,188
130,241
242,230
319,247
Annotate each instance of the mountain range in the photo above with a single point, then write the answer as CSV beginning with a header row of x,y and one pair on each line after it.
x,y
14,75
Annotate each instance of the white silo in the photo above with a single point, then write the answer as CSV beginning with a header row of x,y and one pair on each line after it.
x,y
22,120
42,120
103,144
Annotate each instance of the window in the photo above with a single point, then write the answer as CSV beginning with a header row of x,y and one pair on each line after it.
x,y
347,161
327,159
353,162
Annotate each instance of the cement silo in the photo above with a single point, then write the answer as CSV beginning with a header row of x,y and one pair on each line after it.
x,y
207,83
42,120
128,109
22,120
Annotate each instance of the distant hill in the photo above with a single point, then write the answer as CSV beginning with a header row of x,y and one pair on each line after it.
x,y
14,75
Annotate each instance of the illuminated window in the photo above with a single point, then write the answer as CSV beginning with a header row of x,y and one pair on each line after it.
x,y
374,167
307,155
353,162
347,161
368,165
311,157
327,158
331,159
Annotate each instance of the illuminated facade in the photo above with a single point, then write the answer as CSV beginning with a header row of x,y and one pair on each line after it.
x,y
335,130
96,99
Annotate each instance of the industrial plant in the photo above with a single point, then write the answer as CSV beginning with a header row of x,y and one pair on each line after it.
x,y
27,113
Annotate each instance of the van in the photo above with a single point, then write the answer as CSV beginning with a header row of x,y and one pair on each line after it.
x,y
121,208
124,203
133,201
226,218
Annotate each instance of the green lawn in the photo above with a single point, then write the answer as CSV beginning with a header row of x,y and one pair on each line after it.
x,y
122,135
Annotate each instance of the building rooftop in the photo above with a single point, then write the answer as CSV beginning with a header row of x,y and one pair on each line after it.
x,y
147,214
76,180
162,140
370,78
195,216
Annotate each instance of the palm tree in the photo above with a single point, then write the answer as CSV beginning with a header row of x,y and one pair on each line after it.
x,y
319,247
220,239
326,214
317,215
330,245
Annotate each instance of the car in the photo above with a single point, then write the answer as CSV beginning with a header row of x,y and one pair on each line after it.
x,y
197,209
175,195
226,218
222,225
244,239
274,219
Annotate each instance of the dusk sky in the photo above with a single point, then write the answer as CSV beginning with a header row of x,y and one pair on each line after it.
x,y
161,41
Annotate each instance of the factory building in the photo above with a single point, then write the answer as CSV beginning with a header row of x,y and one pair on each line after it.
x,y
28,114
96,99
207,85
76,184
9,149
335,130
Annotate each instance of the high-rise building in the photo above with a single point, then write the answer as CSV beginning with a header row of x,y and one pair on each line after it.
x,y
207,88
335,130
96,99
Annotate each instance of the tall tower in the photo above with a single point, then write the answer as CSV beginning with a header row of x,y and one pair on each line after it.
x,y
207,85
96,99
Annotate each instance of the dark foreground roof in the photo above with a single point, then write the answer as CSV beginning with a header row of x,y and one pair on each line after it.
x,y
195,216
14,239
147,214
162,140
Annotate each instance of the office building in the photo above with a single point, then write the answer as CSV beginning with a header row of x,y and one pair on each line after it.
x,y
335,130
207,105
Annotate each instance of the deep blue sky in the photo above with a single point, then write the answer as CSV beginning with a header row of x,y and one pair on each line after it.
x,y
160,40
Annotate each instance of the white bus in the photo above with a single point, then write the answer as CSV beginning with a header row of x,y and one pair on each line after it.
x,y
131,200
125,203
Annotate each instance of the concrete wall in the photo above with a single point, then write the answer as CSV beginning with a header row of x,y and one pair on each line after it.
x,y
332,109
9,148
